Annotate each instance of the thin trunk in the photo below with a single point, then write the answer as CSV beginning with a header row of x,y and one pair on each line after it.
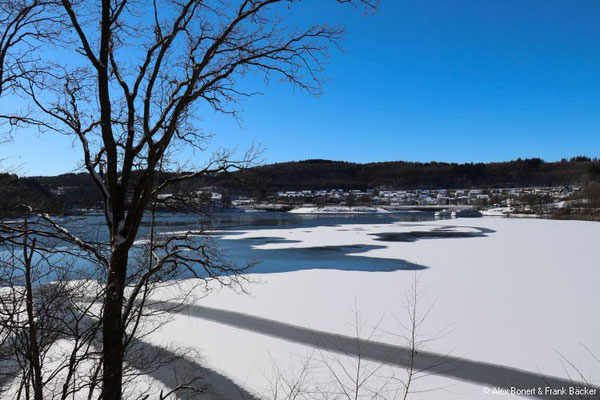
x,y
21,386
94,380
34,351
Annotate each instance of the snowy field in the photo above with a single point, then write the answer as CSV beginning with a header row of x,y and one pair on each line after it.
x,y
520,293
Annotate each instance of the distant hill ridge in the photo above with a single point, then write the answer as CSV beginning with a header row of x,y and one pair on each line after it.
x,y
325,174
76,190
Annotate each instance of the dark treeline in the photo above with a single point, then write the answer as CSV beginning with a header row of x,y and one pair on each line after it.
x,y
16,192
324,174
71,190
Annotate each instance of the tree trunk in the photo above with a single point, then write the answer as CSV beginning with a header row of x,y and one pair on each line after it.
x,y
112,326
34,351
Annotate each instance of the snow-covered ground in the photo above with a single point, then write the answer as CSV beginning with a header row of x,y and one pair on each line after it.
x,y
496,211
339,210
520,293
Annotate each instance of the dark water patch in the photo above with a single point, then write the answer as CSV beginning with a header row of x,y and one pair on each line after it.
x,y
160,223
269,240
253,221
343,258
444,232
484,231
339,249
93,225
240,252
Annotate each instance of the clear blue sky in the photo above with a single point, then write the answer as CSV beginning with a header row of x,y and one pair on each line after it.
x,y
460,80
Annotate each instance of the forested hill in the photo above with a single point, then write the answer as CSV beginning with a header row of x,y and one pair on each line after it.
x,y
16,192
324,174
77,190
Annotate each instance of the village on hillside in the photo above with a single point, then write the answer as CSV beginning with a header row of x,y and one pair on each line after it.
x,y
499,201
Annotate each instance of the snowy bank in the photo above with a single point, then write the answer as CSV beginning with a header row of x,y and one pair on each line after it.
x,y
339,210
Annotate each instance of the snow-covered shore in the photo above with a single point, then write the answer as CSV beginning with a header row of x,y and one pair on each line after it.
x,y
520,296
339,210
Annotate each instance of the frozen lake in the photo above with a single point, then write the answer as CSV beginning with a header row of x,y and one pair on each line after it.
x,y
521,293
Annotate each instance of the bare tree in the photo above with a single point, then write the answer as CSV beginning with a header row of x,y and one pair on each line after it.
x,y
128,80
411,333
581,381
40,305
354,376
